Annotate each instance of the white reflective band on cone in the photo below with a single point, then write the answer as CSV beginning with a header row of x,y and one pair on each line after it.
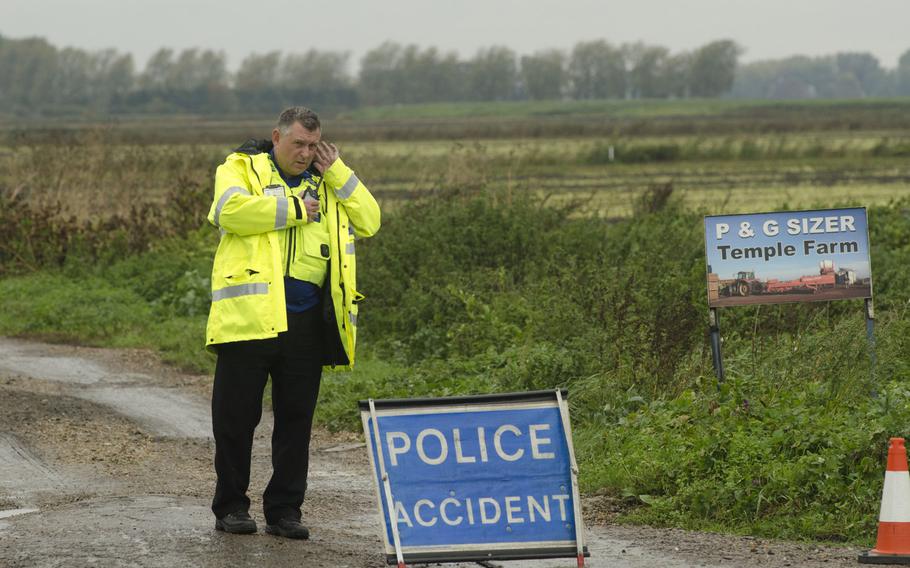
x,y
896,498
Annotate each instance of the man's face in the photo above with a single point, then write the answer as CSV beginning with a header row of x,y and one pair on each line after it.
x,y
295,150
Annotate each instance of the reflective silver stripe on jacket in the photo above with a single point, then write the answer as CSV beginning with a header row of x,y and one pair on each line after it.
x,y
348,188
224,199
349,249
281,213
353,318
250,289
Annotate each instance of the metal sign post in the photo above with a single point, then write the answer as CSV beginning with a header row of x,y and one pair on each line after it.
x,y
716,353
870,334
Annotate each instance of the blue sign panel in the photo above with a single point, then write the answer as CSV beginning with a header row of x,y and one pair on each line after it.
x,y
788,256
481,480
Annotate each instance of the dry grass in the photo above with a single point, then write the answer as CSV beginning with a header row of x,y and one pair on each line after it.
x,y
88,177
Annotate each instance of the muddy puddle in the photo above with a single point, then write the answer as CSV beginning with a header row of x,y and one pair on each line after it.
x,y
23,476
161,411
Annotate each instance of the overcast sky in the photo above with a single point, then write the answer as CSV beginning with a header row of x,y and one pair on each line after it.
x,y
767,29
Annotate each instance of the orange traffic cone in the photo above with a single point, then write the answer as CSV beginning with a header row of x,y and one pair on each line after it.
x,y
893,543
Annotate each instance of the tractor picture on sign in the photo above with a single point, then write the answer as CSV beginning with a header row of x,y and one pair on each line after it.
x,y
828,278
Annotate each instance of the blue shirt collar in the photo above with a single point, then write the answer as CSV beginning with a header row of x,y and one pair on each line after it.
x,y
292,181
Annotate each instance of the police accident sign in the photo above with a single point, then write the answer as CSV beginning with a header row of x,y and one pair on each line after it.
x,y
790,256
476,478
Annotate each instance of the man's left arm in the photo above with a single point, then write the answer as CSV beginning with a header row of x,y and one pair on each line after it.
x,y
363,211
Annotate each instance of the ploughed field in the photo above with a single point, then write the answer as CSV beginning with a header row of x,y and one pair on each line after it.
x,y
716,156
112,179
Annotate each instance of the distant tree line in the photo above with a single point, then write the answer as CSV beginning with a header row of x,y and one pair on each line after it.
x,y
842,76
36,77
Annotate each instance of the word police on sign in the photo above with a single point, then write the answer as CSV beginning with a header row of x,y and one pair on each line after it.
x,y
475,478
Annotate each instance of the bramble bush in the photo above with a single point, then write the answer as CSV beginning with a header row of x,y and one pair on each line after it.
x,y
471,295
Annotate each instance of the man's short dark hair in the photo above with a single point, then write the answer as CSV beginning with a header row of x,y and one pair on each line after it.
x,y
303,115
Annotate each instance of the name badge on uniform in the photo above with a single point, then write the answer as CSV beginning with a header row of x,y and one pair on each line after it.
x,y
274,190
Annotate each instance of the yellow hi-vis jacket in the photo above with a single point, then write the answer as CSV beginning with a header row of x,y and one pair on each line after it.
x,y
248,299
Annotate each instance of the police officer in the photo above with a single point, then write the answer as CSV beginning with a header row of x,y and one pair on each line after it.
x,y
284,305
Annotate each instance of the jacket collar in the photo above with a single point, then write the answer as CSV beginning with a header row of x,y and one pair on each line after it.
x,y
253,146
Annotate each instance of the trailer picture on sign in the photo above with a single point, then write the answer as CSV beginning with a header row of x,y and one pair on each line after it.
x,y
475,478
791,256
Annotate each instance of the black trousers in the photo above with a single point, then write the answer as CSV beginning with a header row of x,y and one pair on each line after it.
x,y
294,361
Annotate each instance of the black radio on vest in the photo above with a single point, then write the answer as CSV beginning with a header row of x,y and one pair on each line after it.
x,y
311,194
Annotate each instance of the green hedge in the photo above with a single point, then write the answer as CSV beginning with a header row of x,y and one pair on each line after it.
x,y
483,291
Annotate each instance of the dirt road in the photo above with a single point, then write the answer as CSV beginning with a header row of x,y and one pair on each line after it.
x,y
106,460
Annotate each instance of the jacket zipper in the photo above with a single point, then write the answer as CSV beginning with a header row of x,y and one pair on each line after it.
x,y
344,304
252,167
291,248
291,243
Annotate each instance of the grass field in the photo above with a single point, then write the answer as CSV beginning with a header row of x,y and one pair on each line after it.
x,y
613,108
498,120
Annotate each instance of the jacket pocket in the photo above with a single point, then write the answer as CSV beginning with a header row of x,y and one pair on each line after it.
x,y
316,245
237,260
240,271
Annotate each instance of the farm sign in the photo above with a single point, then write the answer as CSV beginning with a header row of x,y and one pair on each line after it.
x,y
475,478
791,256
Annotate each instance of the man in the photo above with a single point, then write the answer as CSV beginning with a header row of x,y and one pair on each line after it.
x,y
284,304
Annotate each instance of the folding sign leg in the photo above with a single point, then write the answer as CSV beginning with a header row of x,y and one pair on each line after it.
x,y
387,486
576,499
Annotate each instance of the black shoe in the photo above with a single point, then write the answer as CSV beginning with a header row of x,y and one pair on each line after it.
x,y
288,528
236,523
